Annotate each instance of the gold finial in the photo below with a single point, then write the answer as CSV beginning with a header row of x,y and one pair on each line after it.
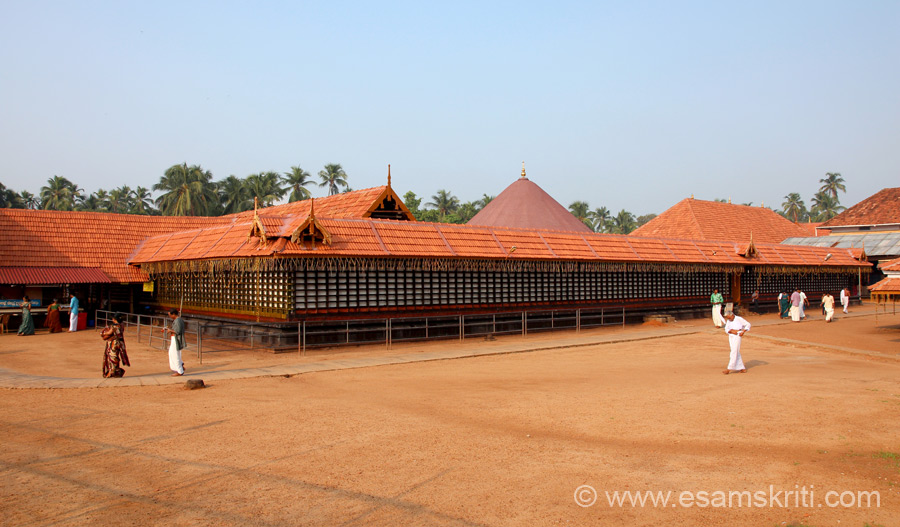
x,y
729,200
692,196
389,175
255,203
312,208
523,168
763,204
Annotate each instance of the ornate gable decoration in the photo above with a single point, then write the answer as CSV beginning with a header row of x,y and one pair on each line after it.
x,y
389,206
257,229
748,250
311,231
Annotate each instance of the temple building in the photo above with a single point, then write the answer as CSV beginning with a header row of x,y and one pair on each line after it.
x,y
362,254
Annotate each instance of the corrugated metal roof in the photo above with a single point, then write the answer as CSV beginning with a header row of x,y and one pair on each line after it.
x,y
876,243
52,275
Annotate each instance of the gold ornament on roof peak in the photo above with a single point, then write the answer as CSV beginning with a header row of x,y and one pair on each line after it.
x,y
523,168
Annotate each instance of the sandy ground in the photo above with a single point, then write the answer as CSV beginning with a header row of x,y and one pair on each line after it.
x,y
499,440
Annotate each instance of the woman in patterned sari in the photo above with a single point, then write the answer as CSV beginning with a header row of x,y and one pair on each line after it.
x,y
27,326
114,335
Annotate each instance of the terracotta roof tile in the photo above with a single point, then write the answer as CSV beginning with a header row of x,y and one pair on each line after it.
x,y
891,266
52,275
525,205
695,219
886,285
879,209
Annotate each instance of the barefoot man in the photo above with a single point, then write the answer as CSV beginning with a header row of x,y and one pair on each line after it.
x,y
735,327
176,343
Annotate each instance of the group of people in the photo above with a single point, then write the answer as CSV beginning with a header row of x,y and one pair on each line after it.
x,y
792,305
52,321
116,354
795,304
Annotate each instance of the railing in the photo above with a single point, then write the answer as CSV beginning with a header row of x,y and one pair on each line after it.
x,y
213,336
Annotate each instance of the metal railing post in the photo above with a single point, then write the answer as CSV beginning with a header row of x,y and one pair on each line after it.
x,y
462,327
623,316
525,323
348,332
304,337
251,337
199,344
138,328
578,320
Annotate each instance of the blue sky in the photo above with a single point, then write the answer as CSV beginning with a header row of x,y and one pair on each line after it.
x,y
631,105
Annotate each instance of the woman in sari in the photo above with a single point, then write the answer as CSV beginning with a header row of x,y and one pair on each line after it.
x,y
784,305
52,321
27,326
115,354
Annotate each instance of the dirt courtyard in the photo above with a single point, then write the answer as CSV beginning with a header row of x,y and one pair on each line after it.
x,y
496,440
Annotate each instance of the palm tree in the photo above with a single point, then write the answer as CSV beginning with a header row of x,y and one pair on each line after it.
x,y
600,219
142,202
266,186
296,181
793,207
91,203
825,206
581,210
466,211
333,177
623,223
101,200
234,196
9,199
29,200
832,183
485,199
59,194
187,191
119,200
444,203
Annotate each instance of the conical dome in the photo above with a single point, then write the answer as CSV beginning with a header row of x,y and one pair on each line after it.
x,y
525,205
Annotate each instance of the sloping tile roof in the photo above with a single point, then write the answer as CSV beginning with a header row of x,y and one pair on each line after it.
x,y
886,285
525,205
52,275
89,240
385,238
810,228
696,219
354,204
879,209
891,266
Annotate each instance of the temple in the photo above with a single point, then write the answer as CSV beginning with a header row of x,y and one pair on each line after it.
x,y
362,254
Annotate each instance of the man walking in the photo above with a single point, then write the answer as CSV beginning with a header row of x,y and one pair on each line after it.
x,y
845,299
803,303
735,327
796,300
716,300
828,306
73,313
176,343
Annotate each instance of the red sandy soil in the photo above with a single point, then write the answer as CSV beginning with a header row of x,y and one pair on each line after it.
x,y
498,440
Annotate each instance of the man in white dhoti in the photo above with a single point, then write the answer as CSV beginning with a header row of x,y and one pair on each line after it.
x,y
796,300
176,343
845,298
828,304
73,313
735,327
716,301
803,303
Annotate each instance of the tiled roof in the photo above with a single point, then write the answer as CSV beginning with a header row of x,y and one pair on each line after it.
x,y
891,266
44,239
525,205
91,240
52,275
886,285
696,219
810,228
879,209
384,238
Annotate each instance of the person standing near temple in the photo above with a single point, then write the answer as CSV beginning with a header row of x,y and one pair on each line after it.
x,y
52,321
804,301
828,306
716,300
176,343
73,313
845,299
735,327
795,305
27,326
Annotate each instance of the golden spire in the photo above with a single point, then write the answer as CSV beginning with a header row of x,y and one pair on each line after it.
x,y
312,208
389,174
523,168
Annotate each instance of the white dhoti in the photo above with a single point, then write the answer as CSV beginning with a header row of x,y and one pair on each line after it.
x,y
829,314
175,363
735,362
846,303
802,311
795,313
718,320
73,321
